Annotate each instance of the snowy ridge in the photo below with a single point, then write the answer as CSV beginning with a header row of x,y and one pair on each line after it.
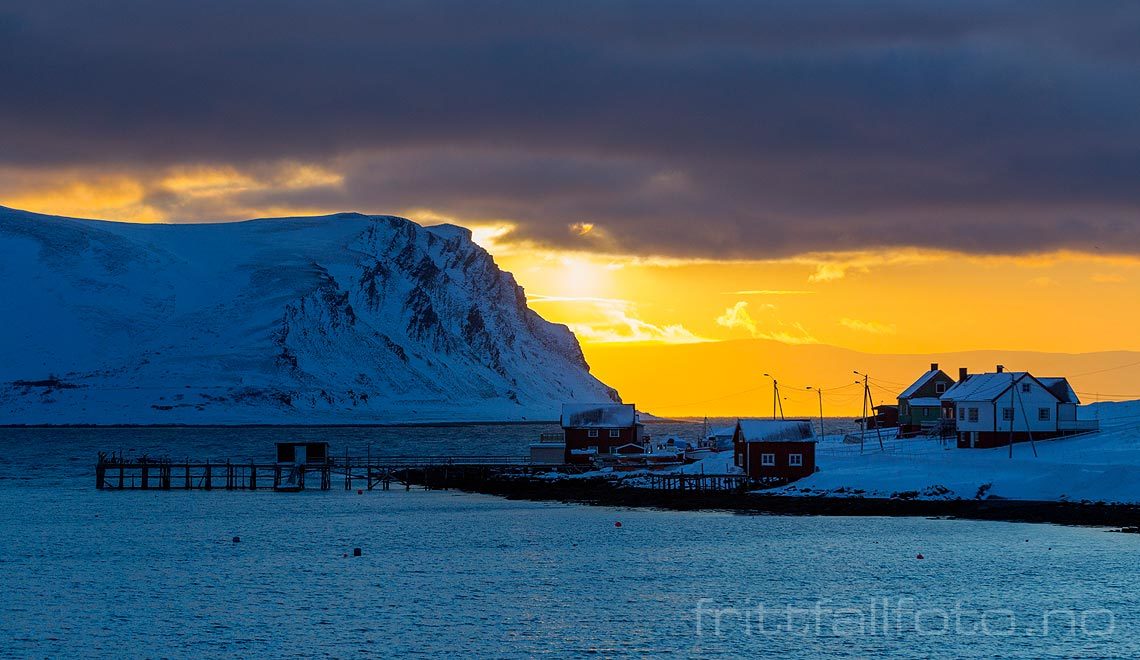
x,y
335,319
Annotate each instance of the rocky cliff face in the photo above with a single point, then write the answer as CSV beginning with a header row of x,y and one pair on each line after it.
x,y
335,319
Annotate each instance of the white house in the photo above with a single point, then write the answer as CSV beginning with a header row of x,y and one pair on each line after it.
x,y
993,409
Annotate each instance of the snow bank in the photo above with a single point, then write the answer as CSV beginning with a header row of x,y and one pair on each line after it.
x,y
1100,467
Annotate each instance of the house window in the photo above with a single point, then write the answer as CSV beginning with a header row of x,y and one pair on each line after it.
x,y
796,460
1007,414
768,459
615,433
592,433
1044,415
962,413
1026,388
939,388
973,414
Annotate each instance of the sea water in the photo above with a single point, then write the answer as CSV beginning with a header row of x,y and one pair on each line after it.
x,y
151,573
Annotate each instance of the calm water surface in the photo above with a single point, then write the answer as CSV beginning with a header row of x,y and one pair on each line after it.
x,y
87,573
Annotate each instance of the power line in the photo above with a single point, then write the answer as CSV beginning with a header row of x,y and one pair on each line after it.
x,y
1100,371
1111,396
715,398
888,382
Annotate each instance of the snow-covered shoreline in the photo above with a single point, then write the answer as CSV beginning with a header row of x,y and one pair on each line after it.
x,y
1101,467
1097,467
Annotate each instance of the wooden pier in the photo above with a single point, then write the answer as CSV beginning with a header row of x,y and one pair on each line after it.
x,y
675,481
116,473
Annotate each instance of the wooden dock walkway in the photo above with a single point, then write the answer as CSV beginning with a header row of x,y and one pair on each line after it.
x,y
115,473
699,482
366,473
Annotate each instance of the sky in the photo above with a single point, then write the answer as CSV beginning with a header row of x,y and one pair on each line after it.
x,y
881,175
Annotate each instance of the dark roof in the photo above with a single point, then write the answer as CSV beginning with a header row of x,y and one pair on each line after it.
x,y
921,382
1060,388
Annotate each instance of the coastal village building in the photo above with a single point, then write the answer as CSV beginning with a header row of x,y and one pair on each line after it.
x,y
919,405
885,416
591,429
302,453
995,409
774,450
549,450
720,439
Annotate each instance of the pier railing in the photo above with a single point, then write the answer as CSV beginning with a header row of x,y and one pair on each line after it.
x,y
146,473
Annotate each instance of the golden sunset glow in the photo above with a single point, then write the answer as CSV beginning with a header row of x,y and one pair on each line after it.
x,y
701,333
190,193
116,197
694,336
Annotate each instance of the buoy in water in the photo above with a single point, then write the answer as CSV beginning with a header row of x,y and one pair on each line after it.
x,y
356,552
617,524
920,556
359,491
237,539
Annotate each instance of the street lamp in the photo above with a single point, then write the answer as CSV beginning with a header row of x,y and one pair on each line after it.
x,y
775,397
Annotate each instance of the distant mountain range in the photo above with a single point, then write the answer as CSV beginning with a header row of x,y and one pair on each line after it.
x,y
345,318
727,378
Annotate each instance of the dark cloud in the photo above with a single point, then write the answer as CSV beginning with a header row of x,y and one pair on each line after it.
x,y
711,128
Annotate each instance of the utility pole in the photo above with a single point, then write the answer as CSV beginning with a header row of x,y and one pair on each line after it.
x,y
1012,410
775,397
868,403
1025,415
819,391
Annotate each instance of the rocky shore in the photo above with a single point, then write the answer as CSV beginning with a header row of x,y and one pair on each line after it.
x,y
606,492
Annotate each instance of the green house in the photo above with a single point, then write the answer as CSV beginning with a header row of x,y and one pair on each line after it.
x,y
919,404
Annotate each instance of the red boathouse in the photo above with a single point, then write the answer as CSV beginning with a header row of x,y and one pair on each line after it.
x,y
599,428
774,450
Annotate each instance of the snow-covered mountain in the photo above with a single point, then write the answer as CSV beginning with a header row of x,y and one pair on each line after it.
x,y
335,319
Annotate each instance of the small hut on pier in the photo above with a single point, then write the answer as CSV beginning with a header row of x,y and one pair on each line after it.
x,y
302,453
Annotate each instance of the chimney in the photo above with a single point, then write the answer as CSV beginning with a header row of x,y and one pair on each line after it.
x,y
934,366
963,374
1001,368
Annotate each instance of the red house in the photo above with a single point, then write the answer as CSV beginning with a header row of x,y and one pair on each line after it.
x,y
593,429
774,450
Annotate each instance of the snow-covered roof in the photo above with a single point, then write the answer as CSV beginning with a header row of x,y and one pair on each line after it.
x,y
776,430
986,387
951,393
598,415
723,432
1061,389
982,387
923,380
929,401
